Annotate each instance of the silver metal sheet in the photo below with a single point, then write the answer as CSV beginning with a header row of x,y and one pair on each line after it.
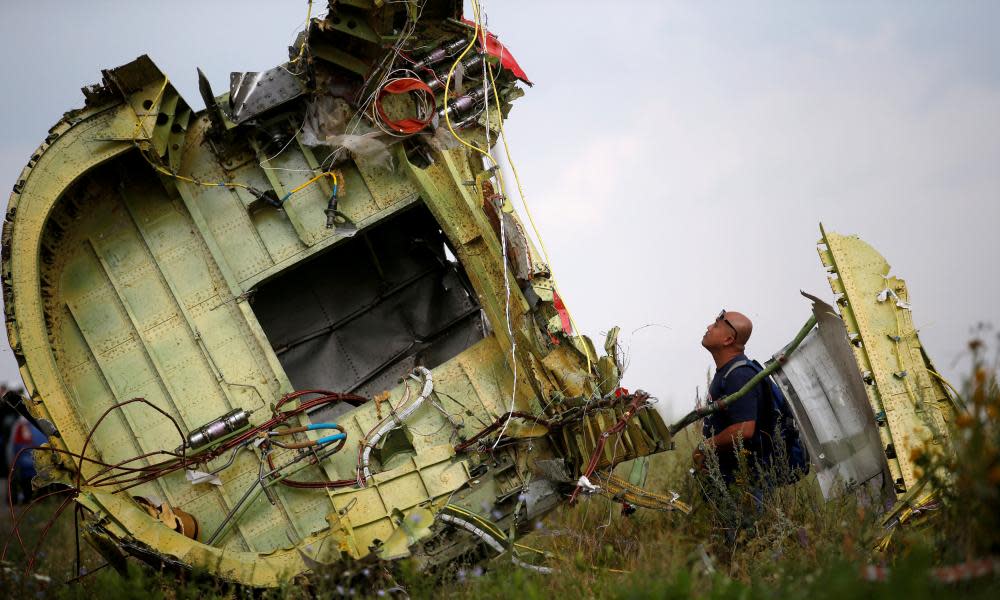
x,y
827,395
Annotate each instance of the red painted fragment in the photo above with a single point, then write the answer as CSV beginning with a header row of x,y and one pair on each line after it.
x,y
402,86
494,48
563,313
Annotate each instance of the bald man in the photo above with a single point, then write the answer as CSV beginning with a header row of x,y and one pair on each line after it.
x,y
726,338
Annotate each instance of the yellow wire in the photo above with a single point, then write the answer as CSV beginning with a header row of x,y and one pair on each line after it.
x,y
160,169
958,397
523,547
314,180
482,521
506,146
447,89
140,121
305,38
531,219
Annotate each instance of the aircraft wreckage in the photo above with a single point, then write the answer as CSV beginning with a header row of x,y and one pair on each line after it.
x,y
305,324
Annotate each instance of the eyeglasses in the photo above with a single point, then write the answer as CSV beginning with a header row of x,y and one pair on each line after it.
x,y
722,317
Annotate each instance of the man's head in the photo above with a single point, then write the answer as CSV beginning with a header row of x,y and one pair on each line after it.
x,y
729,331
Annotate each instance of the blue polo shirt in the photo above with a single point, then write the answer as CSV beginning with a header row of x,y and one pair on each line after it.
x,y
744,409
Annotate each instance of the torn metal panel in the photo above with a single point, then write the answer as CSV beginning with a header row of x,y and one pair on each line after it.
x,y
827,395
165,271
909,403
252,94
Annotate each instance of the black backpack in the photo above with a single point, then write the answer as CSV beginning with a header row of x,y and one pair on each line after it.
x,y
795,450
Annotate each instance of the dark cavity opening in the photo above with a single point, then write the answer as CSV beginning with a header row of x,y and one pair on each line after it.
x,y
360,316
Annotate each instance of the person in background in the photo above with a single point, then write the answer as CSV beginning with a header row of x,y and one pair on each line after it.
x,y
8,415
22,436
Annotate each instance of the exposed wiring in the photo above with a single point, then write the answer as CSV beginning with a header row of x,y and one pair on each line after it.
x,y
267,196
957,399
305,37
447,89
308,443
331,174
154,471
499,175
527,210
123,477
503,239
392,422
140,122
490,535
491,541
424,101
496,166
638,400
510,327
125,474
291,139
385,68
502,421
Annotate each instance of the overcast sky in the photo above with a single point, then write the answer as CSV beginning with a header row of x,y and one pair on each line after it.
x,y
678,157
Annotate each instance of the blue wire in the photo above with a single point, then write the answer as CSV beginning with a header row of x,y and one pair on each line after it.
x,y
331,438
316,426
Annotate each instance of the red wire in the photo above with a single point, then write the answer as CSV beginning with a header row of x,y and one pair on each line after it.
x,y
45,533
16,519
280,417
335,483
595,458
151,472
496,424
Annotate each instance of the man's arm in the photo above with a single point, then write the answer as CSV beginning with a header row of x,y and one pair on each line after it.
x,y
725,440
743,413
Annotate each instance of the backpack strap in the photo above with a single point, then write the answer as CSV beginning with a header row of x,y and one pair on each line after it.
x,y
757,368
768,395
736,365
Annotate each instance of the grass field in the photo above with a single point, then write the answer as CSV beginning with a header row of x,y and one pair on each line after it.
x,y
796,547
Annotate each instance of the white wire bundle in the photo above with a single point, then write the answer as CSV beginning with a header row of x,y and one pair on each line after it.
x,y
394,420
425,110
492,542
